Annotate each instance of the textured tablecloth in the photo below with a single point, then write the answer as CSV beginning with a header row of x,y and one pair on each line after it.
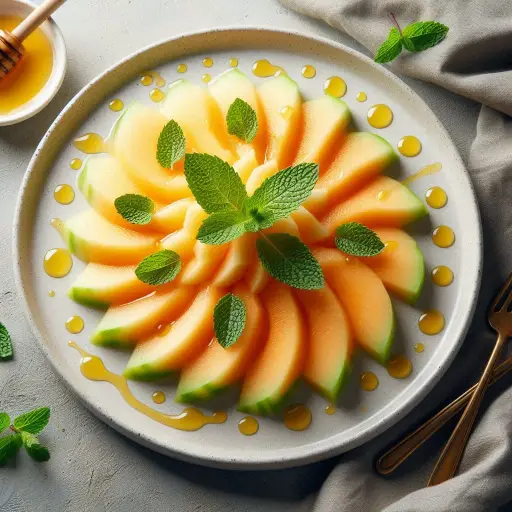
x,y
95,469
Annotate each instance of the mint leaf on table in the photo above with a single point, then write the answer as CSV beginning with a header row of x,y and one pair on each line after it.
x,y
389,49
229,318
34,421
242,120
5,421
9,445
36,450
281,194
222,227
215,184
135,208
358,240
6,351
422,35
290,261
159,268
171,144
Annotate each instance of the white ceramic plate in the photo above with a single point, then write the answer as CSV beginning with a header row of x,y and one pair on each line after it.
x,y
360,415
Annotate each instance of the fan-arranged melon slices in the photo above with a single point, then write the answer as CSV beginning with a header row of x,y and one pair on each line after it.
x,y
289,333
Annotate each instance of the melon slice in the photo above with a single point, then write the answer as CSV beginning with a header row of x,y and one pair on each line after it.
x,y
364,298
246,165
134,140
281,361
360,158
225,89
93,239
282,103
311,230
172,217
400,265
206,261
99,286
329,341
260,174
172,349
128,324
324,123
193,108
217,368
384,202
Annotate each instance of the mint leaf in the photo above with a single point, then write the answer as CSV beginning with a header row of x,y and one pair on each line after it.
x,y
9,445
5,421
389,49
34,448
281,194
159,268
358,240
215,184
34,421
242,120
171,144
422,35
135,208
229,318
222,227
5,344
290,261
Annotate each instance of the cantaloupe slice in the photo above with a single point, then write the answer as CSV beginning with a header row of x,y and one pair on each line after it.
x,y
311,230
364,298
384,202
329,341
217,368
282,103
400,265
204,264
281,361
99,286
324,123
134,140
260,174
171,218
128,324
225,89
360,158
94,239
245,165
173,349
193,108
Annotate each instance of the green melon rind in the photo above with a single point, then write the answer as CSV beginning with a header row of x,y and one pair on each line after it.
x,y
383,353
269,406
418,209
417,287
331,392
201,393
83,185
146,373
112,338
85,296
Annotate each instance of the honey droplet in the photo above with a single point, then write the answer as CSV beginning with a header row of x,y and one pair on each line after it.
x,y
75,324
390,246
380,116
286,112
399,367
90,143
233,62
419,347
116,105
248,426
146,80
431,322
436,197
368,381
156,95
409,146
64,194
382,195
263,68
308,71
208,62
335,86
206,78
297,417
181,68
158,397
330,409
361,96
75,164
443,237
51,293
163,329
442,275
57,262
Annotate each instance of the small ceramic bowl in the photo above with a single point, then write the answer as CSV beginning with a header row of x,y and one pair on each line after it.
x,y
23,8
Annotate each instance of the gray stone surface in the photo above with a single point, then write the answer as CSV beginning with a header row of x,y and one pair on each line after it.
x,y
92,467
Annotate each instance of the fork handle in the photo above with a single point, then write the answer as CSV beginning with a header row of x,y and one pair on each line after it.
x,y
451,455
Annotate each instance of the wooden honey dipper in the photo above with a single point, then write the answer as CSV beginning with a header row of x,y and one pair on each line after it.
x,y
11,43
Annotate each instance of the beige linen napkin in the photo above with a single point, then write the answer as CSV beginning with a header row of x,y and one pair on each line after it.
x,y
475,60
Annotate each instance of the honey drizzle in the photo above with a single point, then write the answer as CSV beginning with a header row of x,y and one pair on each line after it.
x,y
90,143
263,68
297,417
425,171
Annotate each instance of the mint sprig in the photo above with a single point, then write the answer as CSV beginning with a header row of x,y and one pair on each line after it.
x,y
135,209
6,351
34,421
242,120
223,227
171,144
5,421
159,268
229,318
416,37
358,240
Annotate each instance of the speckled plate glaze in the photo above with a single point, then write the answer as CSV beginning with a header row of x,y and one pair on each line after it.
x,y
360,415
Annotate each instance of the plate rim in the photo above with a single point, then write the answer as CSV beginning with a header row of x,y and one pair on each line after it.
x,y
312,455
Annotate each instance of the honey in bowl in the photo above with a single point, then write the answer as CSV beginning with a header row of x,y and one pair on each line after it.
x,y
30,75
